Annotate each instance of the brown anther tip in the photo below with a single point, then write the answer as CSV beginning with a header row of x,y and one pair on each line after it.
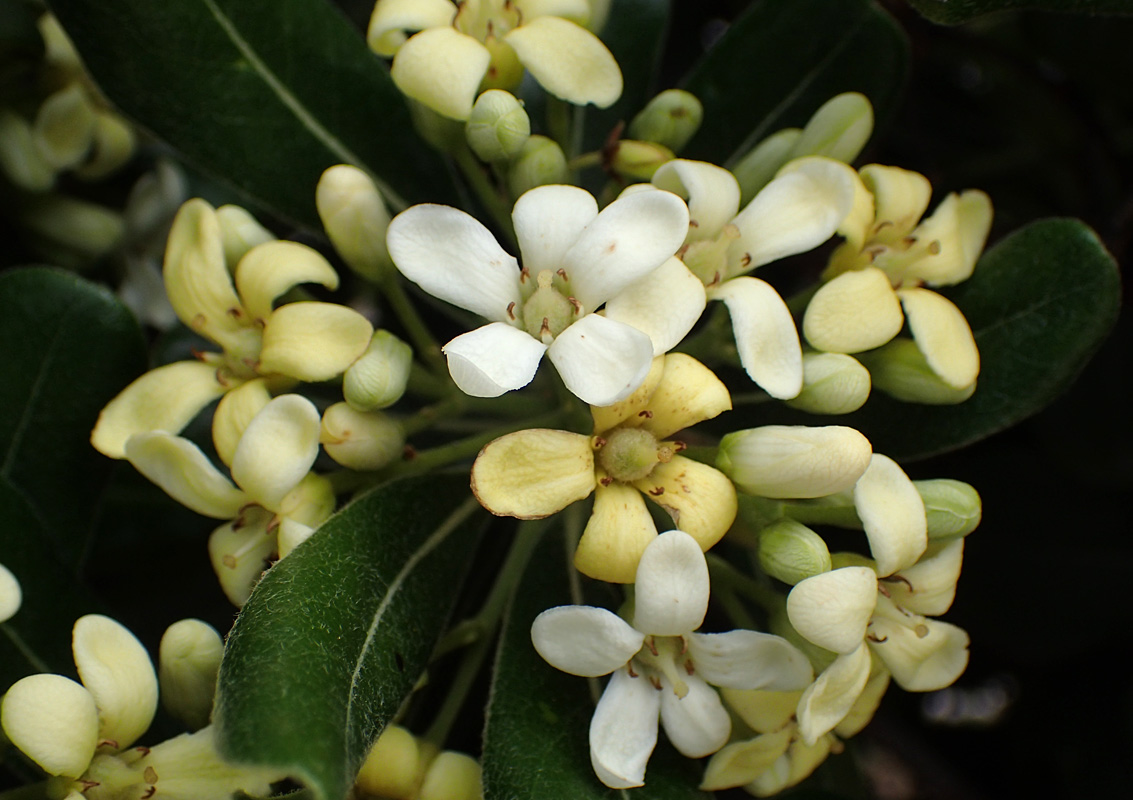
x,y
655,681
909,241
692,223
884,590
873,637
682,251
408,453
679,446
562,274
111,743
647,414
524,275
629,670
715,278
684,645
746,259
575,304
235,313
149,793
511,310
598,443
142,750
88,784
606,481
545,327
900,579
657,491
651,645
197,354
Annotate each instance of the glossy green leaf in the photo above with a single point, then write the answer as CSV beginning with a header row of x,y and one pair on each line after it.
x,y
69,347
535,740
336,635
782,59
951,12
265,94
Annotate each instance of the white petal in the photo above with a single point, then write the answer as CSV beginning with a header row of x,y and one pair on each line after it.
x,y
392,19
827,701
630,238
696,724
623,730
567,60
832,609
119,674
548,220
441,68
184,473
713,194
743,659
766,337
664,305
313,341
921,663
278,448
452,256
584,640
600,360
671,593
892,513
493,359
54,721
943,335
929,586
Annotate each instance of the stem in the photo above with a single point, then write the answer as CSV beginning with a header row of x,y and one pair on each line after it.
x,y
585,161
733,580
560,124
474,173
429,415
418,331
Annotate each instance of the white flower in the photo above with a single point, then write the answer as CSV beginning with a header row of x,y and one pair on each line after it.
x,y
661,669
575,259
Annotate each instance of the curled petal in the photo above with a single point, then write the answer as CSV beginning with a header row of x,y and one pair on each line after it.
x,y
929,586
687,393
164,399
548,220
696,724
763,711
393,19
827,701
117,671
924,657
743,659
943,335
671,593
277,449
240,552
54,722
567,60
664,305
854,312
441,68
601,361
960,224
892,513
269,270
584,640
712,193
865,706
744,761
623,730
313,341
233,413
766,337
699,498
833,609
184,473
533,473
900,199
617,533
493,359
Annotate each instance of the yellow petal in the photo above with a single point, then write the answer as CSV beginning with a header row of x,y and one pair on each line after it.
x,y
117,670
943,335
533,473
744,761
235,410
616,535
164,399
53,721
311,502
568,61
687,393
900,196
269,270
866,705
854,312
240,232
763,711
240,552
960,224
113,144
185,473
277,449
627,412
441,68
313,341
699,498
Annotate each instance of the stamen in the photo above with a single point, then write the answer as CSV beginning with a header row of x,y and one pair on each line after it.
x,y
511,310
647,414
651,645
562,274
606,481
692,223
575,304
655,681
657,491
629,670
873,637
900,579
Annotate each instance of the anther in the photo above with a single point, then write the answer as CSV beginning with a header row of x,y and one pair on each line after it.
x,y
647,414
692,223
511,310
657,491
575,304
629,670
606,481
873,637
900,579
655,681
651,645
745,260
562,274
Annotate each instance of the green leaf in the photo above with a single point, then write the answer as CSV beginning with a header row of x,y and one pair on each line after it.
x,y
336,635
535,740
951,12
69,347
263,93
782,59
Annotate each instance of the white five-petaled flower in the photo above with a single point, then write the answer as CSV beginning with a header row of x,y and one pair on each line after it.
x,y
661,668
575,260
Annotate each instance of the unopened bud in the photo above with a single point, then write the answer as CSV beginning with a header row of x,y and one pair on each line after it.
x,y
900,370
833,383
797,461
498,126
355,219
452,776
669,119
756,169
393,768
240,232
839,129
189,659
953,507
634,159
540,162
361,440
377,379
64,127
790,552
20,159
113,143
87,230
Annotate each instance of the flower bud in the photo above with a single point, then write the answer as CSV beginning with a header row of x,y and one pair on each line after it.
x,y
900,370
790,552
541,161
112,146
833,383
189,659
10,594
953,507
355,218
20,159
669,119
798,461
240,232
498,127
634,159
839,129
452,776
361,440
64,127
756,169
379,376
86,230
393,768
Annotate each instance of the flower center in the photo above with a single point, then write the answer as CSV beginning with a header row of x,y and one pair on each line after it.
x,y
630,454
485,18
707,259
667,657
547,312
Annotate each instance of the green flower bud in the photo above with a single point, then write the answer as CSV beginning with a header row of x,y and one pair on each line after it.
x,y
541,161
833,383
756,169
355,219
361,440
669,119
240,232
634,159
900,370
498,126
378,377
189,659
953,507
839,129
790,552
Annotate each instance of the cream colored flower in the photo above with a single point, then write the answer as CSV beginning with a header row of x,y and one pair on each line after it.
x,y
631,455
445,54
